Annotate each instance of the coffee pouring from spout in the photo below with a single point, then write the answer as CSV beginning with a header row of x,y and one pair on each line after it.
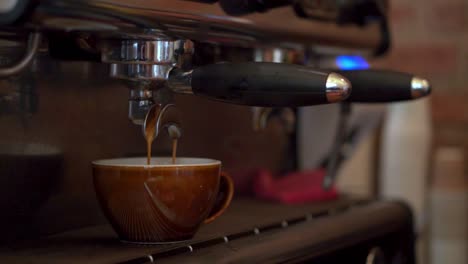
x,y
162,117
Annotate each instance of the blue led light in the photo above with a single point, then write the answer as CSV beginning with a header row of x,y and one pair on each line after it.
x,y
347,62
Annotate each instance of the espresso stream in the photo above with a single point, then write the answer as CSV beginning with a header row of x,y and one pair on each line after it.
x,y
148,151
150,127
174,150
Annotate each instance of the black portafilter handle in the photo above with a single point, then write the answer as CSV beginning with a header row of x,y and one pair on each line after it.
x,y
263,84
243,7
382,86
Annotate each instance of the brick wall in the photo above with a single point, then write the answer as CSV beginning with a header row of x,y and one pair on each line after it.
x,y
430,38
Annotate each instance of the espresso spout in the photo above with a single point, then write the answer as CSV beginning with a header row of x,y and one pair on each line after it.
x,y
162,118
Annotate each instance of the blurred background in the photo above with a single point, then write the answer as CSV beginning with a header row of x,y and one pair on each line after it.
x,y
423,143
59,116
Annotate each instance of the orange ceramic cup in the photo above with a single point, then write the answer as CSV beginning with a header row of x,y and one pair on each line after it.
x,y
161,202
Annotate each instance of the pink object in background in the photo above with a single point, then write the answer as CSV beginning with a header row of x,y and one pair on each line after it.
x,y
293,188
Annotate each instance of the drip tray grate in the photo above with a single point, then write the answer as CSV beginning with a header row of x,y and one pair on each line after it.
x,y
256,231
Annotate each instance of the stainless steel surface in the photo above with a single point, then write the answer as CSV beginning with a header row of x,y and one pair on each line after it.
x,y
201,22
34,41
180,81
145,65
375,256
144,60
135,72
139,103
140,52
338,88
167,119
420,87
7,5
277,55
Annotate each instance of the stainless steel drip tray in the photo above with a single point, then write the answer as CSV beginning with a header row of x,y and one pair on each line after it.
x,y
250,230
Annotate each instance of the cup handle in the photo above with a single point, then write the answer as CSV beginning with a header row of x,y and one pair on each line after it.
x,y
226,182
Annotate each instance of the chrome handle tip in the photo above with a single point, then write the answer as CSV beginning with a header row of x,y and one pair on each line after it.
x,y
420,87
338,88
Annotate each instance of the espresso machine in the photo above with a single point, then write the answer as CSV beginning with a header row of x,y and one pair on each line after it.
x,y
79,77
